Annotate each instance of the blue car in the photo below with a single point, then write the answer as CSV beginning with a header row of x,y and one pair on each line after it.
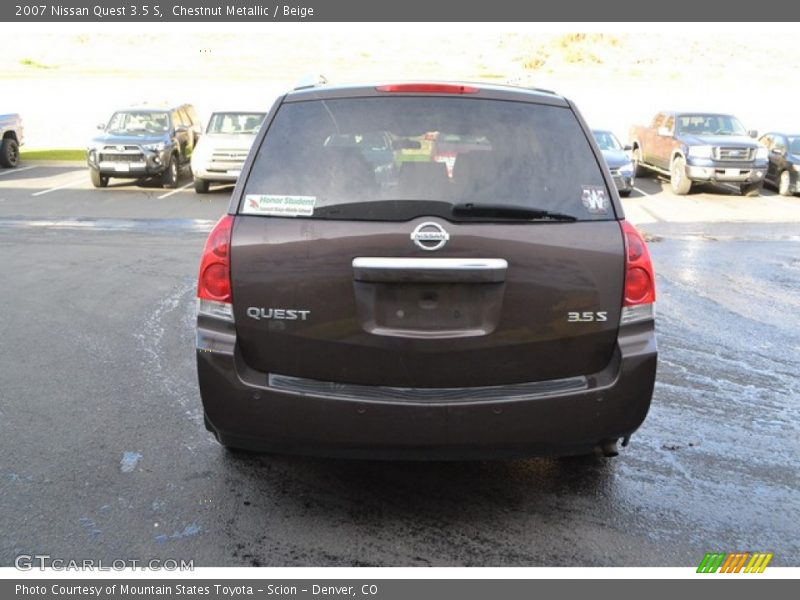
x,y
618,160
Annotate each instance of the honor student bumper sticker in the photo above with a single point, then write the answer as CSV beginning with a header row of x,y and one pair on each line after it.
x,y
279,206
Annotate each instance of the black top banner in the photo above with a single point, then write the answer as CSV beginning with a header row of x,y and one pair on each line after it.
x,y
409,10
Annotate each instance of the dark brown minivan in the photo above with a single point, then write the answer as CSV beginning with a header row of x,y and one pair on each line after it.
x,y
425,271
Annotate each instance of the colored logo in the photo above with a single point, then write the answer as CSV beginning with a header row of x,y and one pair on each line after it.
x,y
737,562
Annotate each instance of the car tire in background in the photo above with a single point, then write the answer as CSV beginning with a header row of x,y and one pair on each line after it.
x,y
751,190
785,184
680,183
170,177
9,153
626,193
201,185
98,180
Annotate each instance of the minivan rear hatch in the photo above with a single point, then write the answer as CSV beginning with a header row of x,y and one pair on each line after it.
x,y
426,241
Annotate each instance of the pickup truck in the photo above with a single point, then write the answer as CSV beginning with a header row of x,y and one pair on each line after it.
x,y
700,147
11,137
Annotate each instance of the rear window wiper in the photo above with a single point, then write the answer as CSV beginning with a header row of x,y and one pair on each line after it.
x,y
508,211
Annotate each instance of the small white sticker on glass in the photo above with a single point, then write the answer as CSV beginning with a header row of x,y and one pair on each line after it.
x,y
279,206
594,199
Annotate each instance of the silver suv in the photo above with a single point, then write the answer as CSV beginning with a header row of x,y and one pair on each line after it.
x,y
221,153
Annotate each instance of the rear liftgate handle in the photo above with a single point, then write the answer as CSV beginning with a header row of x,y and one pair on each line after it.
x,y
429,270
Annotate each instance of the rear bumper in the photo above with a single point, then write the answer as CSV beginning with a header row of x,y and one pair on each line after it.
x,y
243,410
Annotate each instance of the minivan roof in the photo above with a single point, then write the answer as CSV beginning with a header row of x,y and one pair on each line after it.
x,y
486,91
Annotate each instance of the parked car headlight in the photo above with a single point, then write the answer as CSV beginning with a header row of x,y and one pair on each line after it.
x,y
701,151
762,153
155,147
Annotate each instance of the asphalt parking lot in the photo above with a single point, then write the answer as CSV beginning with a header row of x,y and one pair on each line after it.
x,y
63,189
104,454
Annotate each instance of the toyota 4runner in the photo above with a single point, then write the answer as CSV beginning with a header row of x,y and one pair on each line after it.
x,y
145,141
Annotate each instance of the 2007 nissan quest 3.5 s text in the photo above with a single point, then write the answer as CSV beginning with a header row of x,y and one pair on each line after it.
x,y
425,271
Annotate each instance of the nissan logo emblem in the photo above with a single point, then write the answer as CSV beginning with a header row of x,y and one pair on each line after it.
x,y
429,236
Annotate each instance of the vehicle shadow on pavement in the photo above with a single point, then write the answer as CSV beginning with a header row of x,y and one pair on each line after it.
x,y
646,185
432,486
377,513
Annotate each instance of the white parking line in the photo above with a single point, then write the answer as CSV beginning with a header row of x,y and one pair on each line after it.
x,y
642,192
9,171
61,187
175,191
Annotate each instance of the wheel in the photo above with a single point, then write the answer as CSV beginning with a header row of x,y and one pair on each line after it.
x,y
200,186
170,177
785,184
625,193
9,153
98,181
680,183
751,189
638,169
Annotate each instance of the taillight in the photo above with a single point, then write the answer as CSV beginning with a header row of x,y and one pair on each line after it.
x,y
214,281
428,88
640,283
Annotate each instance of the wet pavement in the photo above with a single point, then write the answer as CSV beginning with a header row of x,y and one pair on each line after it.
x,y
104,455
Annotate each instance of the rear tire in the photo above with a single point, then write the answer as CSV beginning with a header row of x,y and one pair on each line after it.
x,y
170,177
625,193
680,183
9,153
751,190
201,186
98,180
785,184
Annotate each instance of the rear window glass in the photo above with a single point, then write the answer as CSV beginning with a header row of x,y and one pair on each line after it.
x,y
403,157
